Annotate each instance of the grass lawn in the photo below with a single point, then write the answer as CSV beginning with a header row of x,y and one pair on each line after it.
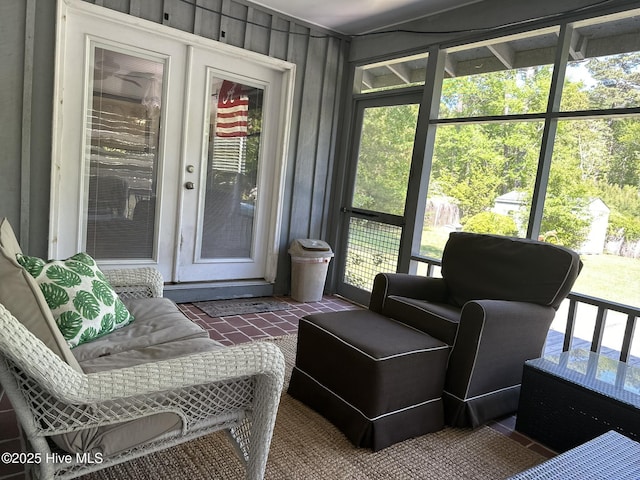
x,y
610,277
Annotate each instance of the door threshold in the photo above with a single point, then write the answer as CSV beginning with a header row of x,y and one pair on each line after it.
x,y
202,291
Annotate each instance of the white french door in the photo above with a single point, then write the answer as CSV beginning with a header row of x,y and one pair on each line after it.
x,y
168,149
230,186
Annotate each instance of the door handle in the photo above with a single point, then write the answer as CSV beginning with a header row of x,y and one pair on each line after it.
x,y
189,186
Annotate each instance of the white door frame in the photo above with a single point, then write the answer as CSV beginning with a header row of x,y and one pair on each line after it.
x,y
69,110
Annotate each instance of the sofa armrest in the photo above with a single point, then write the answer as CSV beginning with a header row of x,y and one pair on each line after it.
x,y
431,289
494,339
253,372
220,365
145,282
229,379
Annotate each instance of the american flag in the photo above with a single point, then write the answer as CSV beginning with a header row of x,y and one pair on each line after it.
x,y
233,111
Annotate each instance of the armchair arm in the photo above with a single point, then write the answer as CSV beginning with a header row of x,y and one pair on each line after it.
x,y
431,289
136,282
494,339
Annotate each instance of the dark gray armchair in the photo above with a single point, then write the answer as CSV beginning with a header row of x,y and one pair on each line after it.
x,y
494,305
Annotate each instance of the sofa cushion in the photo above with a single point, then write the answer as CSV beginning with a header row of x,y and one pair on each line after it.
x,y
160,332
158,321
20,294
490,267
83,303
152,353
112,439
436,319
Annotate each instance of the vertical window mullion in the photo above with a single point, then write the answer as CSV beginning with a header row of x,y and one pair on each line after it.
x,y
549,131
421,160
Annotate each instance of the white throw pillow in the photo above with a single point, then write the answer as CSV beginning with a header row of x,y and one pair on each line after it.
x,y
84,305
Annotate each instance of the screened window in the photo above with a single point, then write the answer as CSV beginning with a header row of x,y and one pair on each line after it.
x,y
603,71
509,76
487,142
391,74
592,201
510,152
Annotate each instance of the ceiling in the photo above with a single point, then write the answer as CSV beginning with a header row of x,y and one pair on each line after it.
x,y
354,17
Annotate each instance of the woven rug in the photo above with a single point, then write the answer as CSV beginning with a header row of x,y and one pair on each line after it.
x,y
240,306
307,447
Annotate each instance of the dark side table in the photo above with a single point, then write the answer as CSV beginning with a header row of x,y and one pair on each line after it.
x,y
571,398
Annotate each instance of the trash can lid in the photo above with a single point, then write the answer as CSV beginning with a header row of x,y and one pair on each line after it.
x,y
314,245
310,248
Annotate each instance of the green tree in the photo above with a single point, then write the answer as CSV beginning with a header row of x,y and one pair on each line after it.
x,y
384,158
475,163
609,147
617,80
490,222
624,168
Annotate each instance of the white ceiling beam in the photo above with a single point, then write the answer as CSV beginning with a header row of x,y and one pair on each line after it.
x,y
449,66
578,47
504,53
401,71
367,79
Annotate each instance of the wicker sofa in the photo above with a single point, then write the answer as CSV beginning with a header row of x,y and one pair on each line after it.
x,y
152,384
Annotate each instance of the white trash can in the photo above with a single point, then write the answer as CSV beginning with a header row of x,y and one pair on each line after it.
x,y
309,264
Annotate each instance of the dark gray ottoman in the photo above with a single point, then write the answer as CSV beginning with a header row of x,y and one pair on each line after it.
x,y
377,380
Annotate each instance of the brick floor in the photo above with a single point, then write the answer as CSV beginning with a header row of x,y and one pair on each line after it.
x,y
234,329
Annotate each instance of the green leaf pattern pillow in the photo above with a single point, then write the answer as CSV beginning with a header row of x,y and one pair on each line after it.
x,y
83,303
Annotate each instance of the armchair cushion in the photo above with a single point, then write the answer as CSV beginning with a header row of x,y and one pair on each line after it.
x,y
471,271
151,353
160,332
20,293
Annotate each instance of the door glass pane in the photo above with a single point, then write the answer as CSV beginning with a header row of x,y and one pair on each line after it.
x,y
382,175
384,158
232,153
123,125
